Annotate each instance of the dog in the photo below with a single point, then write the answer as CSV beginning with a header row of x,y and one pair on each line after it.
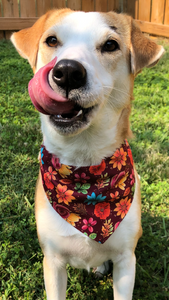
x,y
86,214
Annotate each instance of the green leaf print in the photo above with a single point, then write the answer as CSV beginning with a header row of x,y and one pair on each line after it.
x,y
93,236
82,188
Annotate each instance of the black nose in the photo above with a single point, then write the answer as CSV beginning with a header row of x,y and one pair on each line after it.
x,y
69,74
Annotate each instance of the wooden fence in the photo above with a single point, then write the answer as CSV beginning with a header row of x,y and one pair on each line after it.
x,y
151,15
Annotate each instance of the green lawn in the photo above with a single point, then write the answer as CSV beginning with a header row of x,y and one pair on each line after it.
x,y
20,138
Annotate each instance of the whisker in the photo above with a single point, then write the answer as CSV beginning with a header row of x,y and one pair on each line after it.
x,y
115,89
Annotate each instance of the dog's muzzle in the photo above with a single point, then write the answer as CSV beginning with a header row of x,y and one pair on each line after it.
x,y
67,75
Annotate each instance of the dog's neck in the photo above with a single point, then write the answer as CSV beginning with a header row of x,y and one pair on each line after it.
x,y
89,147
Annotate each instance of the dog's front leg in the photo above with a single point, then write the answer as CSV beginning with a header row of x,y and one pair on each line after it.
x,y
55,277
124,277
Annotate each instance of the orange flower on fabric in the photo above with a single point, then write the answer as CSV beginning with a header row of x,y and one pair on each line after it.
x,y
123,207
72,218
114,196
97,170
119,159
48,176
63,194
102,210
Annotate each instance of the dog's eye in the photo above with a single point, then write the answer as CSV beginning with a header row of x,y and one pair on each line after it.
x,y
110,46
52,41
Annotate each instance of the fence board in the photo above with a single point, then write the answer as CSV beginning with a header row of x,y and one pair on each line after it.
x,y
111,5
144,10
154,28
28,10
101,5
139,9
132,8
43,6
88,5
74,4
16,23
59,3
157,15
166,16
10,8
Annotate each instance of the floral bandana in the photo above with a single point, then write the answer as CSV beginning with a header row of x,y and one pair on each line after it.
x,y
93,199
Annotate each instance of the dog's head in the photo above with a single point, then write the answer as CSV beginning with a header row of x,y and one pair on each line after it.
x,y
94,59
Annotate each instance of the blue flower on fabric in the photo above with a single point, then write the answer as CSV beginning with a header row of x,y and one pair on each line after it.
x,y
41,155
93,199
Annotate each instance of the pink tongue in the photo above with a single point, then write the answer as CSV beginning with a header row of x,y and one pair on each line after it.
x,y
43,97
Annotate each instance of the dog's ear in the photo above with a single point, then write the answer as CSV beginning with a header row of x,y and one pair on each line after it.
x,y
144,52
26,41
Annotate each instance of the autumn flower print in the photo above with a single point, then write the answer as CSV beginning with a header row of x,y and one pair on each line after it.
x,y
116,225
119,180
80,209
102,210
126,192
119,159
82,177
64,171
114,196
55,162
41,155
102,181
93,199
62,211
48,176
89,224
107,228
98,170
72,219
130,155
123,207
63,194
65,181
132,178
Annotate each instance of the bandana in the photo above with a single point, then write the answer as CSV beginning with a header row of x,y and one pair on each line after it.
x,y
93,199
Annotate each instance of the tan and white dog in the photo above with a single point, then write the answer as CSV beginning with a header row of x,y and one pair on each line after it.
x,y
98,57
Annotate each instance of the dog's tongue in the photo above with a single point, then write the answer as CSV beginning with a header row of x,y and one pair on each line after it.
x,y
43,97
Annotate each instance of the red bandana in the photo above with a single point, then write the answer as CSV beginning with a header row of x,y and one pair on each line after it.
x,y
93,199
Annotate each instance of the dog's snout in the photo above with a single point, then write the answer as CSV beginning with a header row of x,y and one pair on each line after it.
x,y
69,74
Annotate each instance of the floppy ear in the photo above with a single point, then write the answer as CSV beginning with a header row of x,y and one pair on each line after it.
x,y
144,52
26,41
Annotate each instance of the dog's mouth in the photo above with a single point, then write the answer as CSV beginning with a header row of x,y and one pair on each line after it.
x,y
62,111
78,115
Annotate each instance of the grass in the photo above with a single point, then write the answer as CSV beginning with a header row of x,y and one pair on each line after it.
x,y
20,139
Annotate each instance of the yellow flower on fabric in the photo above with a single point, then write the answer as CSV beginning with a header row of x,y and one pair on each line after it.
x,y
73,218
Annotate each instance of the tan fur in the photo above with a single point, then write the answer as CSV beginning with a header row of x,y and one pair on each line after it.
x,y
61,243
31,36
